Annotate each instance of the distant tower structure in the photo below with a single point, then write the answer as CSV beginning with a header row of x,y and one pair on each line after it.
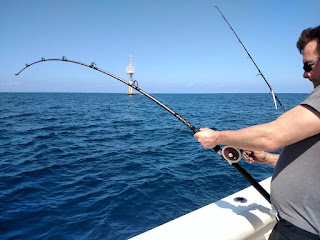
x,y
130,71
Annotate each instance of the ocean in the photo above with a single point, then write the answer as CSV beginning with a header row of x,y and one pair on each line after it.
x,y
110,166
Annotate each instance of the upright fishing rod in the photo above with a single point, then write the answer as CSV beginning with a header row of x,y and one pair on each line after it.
x,y
275,98
231,154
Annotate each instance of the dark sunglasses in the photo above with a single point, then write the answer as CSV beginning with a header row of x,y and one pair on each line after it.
x,y
307,67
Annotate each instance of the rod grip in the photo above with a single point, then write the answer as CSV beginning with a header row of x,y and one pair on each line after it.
x,y
252,181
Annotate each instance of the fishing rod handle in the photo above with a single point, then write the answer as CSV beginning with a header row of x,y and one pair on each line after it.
x,y
252,181
233,156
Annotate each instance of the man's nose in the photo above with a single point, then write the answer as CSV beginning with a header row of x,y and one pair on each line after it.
x,y
306,74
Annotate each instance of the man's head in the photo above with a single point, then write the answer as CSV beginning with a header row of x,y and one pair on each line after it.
x,y
309,45
307,36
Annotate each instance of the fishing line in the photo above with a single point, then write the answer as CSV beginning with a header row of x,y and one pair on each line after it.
x,y
274,97
228,153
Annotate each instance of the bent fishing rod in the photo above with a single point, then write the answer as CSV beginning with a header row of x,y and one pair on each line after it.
x,y
275,98
231,154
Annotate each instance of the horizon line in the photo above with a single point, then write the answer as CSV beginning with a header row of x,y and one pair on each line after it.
x,y
157,92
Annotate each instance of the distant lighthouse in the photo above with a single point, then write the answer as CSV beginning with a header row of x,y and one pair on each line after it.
x,y
130,71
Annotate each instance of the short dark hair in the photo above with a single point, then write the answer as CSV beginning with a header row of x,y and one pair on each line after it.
x,y
307,36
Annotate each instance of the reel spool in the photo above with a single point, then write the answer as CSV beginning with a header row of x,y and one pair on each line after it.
x,y
231,154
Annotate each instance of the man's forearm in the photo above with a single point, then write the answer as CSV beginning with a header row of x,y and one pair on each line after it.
x,y
258,138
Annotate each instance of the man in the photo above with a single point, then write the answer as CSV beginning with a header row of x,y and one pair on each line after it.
x,y
295,186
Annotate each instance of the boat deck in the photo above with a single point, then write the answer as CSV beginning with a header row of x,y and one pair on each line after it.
x,y
242,215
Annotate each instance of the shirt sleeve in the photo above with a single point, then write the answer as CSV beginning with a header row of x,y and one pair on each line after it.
x,y
313,100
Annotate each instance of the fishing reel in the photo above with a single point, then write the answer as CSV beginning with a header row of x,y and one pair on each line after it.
x,y
231,154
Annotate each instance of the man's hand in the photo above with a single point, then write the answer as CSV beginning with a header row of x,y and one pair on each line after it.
x,y
261,157
207,137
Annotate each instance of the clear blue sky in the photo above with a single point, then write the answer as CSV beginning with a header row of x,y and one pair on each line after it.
x,y
177,46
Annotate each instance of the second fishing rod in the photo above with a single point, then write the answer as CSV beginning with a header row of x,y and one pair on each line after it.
x,y
275,98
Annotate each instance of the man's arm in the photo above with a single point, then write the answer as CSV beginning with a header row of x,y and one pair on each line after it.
x,y
293,126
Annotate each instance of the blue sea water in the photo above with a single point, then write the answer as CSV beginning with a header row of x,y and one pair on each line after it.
x,y
111,166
